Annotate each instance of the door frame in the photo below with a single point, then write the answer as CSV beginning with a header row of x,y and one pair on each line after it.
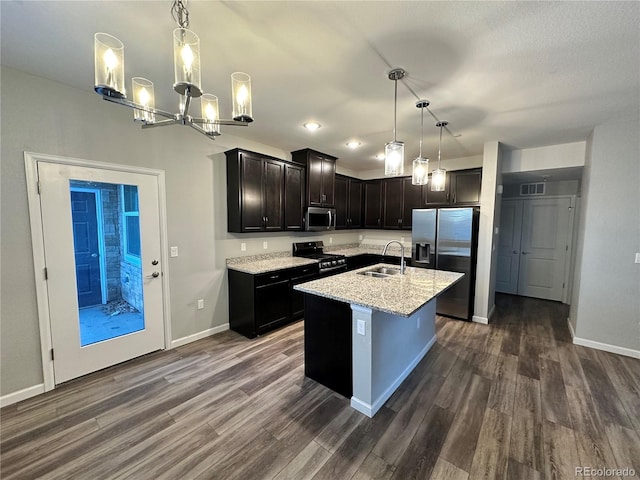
x,y
101,247
31,160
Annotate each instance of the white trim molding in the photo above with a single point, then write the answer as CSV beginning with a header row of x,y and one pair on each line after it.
x,y
198,336
627,352
20,395
484,320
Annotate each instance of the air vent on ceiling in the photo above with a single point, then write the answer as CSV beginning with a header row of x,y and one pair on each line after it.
x,y
527,189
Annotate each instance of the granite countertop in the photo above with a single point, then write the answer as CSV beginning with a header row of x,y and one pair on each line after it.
x,y
398,294
353,250
256,264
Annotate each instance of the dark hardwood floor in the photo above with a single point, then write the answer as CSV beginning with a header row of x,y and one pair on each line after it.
x,y
514,399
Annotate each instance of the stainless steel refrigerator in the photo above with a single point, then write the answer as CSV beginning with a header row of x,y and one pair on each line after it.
x,y
447,239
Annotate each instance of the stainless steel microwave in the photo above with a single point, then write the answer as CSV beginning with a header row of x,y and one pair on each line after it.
x,y
318,219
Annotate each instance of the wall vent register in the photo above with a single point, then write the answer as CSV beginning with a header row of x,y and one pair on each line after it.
x,y
529,189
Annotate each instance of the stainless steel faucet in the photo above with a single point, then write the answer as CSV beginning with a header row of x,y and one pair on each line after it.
x,y
402,261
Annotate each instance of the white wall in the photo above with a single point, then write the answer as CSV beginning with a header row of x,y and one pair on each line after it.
x,y
449,164
565,155
490,202
605,311
47,117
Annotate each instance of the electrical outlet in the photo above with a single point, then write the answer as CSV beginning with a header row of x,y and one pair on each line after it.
x,y
200,304
401,239
360,237
265,245
330,240
173,251
243,247
361,327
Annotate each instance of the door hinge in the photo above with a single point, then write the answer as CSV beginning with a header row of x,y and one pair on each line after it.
x,y
52,355
562,284
566,248
46,273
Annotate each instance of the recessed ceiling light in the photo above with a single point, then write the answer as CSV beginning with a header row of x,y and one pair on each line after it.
x,y
312,126
353,144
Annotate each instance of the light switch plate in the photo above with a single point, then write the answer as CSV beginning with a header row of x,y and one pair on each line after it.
x,y
360,327
200,304
637,257
330,240
265,245
243,247
173,251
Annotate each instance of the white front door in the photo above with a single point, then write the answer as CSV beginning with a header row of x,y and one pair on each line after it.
x,y
91,335
509,247
543,248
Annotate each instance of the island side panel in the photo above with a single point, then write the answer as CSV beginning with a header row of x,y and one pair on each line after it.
x,y
388,352
327,343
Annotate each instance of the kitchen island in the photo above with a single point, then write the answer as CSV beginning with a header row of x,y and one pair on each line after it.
x,y
365,331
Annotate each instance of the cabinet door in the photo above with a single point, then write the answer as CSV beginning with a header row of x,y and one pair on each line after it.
x,y
372,204
342,202
252,193
465,187
273,195
293,197
328,182
412,195
314,180
355,203
392,203
272,304
430,198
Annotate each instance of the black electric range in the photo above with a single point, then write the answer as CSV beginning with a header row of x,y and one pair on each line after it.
x,y
327,262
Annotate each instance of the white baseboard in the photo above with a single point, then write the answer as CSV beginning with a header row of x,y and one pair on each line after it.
x,y
479,319
200,335
628,352
20,395
371,410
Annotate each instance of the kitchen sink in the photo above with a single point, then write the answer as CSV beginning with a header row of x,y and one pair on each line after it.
x,y
381,272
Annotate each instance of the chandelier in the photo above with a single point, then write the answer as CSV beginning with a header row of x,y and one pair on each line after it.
x,y
109,82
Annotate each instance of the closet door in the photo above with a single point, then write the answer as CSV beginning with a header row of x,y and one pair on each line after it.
x,y
509,247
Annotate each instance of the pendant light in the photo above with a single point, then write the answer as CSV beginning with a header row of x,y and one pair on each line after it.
x,y
420,171
439,176
394,151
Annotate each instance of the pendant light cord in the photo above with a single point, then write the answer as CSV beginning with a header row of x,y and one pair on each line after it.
x,y
395,108
439,147
421,128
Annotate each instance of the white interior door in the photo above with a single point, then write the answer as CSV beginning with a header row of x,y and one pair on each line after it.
x,y
131,323
509,247
544,245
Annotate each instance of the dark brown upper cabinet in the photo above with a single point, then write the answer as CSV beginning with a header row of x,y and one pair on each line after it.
x,y
321,176
400,197
372,204
348,196
462,188
259,197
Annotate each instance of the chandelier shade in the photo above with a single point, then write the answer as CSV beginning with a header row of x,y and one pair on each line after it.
x,y
210,112
109,65
186,62
241,97
142,91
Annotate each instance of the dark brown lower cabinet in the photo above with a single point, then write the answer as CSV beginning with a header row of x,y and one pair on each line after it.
x,y
263,302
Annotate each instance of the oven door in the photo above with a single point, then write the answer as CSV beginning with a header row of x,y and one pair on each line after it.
x,y
319,219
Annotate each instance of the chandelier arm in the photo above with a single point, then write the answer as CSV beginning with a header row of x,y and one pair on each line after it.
x,y
162,123
130,104
206,121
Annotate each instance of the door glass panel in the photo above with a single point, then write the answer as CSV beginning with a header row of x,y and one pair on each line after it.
x,y
106,236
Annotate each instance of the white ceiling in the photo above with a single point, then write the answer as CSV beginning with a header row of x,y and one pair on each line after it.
x,y
524,73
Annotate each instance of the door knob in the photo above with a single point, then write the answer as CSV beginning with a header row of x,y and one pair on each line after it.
x,y
154,262
515,251
154,275
524,253
94,255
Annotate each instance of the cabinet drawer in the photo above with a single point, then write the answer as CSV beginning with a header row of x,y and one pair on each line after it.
x,y
272,277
